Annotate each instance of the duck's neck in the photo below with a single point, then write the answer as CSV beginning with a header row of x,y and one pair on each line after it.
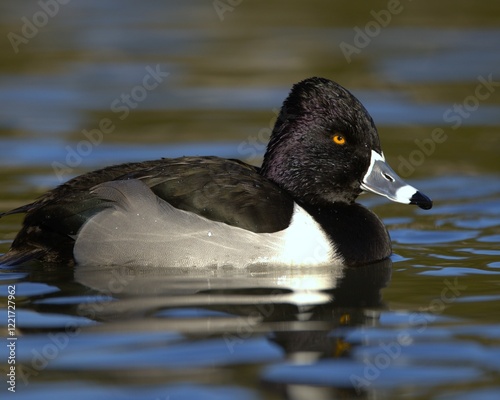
x,y
279,155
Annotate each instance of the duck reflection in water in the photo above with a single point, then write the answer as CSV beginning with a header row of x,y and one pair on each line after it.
x,y
307,313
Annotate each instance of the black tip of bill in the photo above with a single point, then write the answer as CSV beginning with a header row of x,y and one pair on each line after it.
x,y
421,200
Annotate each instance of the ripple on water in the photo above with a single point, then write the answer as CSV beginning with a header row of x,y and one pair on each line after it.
x,y
177,354
474,223
477,394
413,236
489,239
363,374
458,271
29,289
179,391
459,352
28,319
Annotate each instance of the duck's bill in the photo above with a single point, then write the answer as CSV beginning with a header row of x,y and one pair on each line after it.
x,y
381,179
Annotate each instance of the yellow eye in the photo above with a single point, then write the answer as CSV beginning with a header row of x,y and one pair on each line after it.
x,y
338,139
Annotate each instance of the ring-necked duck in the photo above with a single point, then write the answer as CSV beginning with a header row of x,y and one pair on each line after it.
x,y
298,208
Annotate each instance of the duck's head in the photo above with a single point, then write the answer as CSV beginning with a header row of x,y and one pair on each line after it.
x,y
325,148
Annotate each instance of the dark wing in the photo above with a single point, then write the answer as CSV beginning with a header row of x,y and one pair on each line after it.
x,y
222,190
228,191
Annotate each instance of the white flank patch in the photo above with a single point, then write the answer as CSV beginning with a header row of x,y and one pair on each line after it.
x,y
143,230
304,242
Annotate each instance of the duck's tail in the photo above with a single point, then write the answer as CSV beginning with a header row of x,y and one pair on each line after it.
x,y
18,257
24,250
